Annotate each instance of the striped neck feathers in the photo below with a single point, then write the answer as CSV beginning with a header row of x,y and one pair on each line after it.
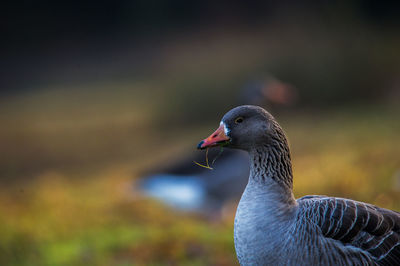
x,y
272,161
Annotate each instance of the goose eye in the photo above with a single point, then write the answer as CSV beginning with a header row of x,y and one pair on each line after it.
x,y
239,120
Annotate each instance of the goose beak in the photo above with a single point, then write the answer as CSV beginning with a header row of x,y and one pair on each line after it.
x,y
215,139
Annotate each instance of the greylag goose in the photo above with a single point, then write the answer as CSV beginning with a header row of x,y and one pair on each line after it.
x,y
273,228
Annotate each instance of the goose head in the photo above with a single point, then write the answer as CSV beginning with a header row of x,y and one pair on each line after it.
x,y
244,127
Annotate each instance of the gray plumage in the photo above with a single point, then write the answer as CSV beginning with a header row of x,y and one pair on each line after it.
x,y
273,228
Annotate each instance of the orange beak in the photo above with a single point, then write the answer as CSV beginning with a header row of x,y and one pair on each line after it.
x,y
215,139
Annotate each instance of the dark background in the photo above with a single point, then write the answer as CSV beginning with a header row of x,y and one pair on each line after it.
x,y
46,41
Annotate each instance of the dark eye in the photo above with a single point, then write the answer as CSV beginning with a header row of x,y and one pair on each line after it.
x,y
239,120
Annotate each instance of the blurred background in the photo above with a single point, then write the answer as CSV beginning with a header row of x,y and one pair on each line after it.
x,y
103,103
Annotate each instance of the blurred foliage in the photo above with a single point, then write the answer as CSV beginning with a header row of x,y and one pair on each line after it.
x,y
56,221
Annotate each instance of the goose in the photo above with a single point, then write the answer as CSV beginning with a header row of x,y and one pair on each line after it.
x,y
273,228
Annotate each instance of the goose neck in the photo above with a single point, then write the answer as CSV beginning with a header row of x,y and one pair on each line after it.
x,y
272,163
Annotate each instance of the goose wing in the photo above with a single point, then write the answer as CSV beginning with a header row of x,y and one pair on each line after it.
x,y
361,225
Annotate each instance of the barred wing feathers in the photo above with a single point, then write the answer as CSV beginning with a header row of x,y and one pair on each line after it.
x,y
374,230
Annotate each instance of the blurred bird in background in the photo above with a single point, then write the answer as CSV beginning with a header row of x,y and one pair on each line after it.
x,y
187,186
